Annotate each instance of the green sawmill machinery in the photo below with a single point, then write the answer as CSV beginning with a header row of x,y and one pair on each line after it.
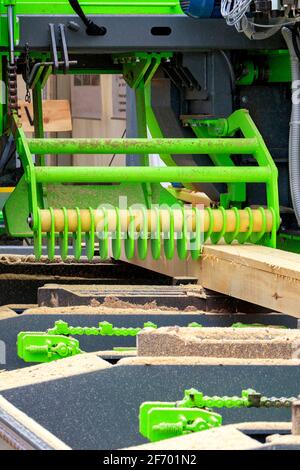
x,y
209,92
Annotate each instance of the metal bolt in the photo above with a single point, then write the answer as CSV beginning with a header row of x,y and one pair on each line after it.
x,y
30,220
296,418
73,26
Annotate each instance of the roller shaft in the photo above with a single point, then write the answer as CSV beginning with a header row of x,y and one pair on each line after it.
x,y
241,217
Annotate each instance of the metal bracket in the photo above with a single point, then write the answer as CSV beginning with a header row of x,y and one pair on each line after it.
x,y
61,28
41,70
53,47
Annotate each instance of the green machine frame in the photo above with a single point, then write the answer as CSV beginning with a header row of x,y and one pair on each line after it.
x,y
83,187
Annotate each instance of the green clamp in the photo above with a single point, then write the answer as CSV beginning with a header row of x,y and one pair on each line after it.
x,y
58,342
158,421
43,347
162,420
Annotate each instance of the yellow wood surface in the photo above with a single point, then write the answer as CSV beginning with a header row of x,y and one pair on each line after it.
x,y
56,116
257,274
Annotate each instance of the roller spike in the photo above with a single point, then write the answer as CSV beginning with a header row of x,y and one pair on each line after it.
x,y
156,236
51,236
129,241
103,240
169,240
64,237
90,237
243,237
229,237
143,236
117,240
77,239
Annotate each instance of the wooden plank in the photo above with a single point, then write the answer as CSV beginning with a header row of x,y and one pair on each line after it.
x,y
262,275
192,197
257,274
56,116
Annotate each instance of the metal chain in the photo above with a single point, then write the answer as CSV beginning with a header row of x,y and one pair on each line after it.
x,y
12,88
249,399
27,74
273,402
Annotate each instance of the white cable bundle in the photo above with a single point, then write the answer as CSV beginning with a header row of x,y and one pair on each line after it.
x,y
234,12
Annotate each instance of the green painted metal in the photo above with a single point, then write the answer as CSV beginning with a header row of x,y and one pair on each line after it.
x,y
288,242
4,40
104,329
255,325
160,423
41,347
163,420
38,117
58,342
143,146
194,324
42,185
143,180
265,66
240,120
140,67
184,174
111,7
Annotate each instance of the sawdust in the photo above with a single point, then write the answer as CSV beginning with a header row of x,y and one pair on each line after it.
x,y
6,312
220,342
289,440
115,302
227,333
222,438
76,365
30,259
268,426
113,308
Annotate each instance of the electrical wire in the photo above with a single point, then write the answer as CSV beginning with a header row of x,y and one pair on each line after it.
x,y
235,11
230,68
275,25
113,157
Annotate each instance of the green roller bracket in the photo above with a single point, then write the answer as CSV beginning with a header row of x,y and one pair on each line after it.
x,y
214,137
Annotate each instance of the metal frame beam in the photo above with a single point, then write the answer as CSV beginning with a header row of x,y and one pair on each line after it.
x,y
135,33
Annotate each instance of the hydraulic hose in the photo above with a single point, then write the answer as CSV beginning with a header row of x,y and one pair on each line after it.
x,y
294,135
92,29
